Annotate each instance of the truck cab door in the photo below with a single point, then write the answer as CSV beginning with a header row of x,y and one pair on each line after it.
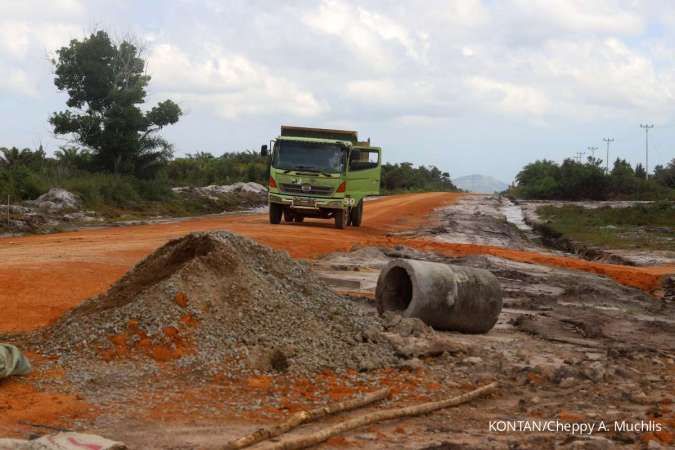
x,y
363,172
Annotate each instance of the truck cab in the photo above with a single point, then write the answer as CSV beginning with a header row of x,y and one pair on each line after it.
x,y
322,173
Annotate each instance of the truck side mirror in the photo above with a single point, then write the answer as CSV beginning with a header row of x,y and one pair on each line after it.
x,y
263,150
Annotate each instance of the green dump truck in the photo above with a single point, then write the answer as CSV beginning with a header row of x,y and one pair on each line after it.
x,y
321,173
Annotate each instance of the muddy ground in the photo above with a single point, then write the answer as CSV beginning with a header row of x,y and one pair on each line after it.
x,y
570,345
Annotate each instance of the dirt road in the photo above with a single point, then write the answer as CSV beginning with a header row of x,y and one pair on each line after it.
x,y
42,276
569,344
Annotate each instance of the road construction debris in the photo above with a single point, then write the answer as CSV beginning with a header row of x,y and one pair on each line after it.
x,y
63,441
12,361
305,417
450,298
379,416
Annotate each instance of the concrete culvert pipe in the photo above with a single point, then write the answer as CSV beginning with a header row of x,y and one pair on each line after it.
x,y
446,297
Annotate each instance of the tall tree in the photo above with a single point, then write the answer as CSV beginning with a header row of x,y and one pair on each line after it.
x,y
640,171
106,85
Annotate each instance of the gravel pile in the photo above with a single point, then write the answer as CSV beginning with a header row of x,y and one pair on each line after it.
x,y
221,303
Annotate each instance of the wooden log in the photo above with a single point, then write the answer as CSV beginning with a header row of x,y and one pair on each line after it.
x,y
367,419
301,417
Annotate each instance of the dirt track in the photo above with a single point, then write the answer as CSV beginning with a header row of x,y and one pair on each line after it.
x,y
42,276
534,350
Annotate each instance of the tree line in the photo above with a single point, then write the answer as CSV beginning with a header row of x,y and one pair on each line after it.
x,y
573,180
26,174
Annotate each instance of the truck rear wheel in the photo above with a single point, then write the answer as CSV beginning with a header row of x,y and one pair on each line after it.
x,y
341,218
288,215
356,215
276,211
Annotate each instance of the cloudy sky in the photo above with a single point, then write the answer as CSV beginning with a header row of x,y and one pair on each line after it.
x,y
473,86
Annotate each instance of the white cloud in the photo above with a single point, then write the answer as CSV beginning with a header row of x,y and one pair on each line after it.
x,y
231,84
17,81
42,9
509,97
552,17
373,37
14,38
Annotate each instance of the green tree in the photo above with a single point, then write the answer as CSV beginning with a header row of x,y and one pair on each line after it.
x,y
540,179
13,157
106,84
666,175
622,177
640,171
73,157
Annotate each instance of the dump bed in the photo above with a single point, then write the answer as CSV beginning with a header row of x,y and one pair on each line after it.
x,y
320,133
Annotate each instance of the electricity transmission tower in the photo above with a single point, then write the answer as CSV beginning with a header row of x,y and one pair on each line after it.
x,y
646,128
592,150
579,156
608,140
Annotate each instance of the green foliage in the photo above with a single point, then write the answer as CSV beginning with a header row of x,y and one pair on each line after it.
x,y
645,226
666,175
105,84
20,173
203,169
404,177
572,180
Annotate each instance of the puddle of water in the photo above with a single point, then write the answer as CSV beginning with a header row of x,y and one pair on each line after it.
x,y
514,214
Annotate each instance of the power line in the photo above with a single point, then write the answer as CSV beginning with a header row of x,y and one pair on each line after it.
x,y
608,140
646,128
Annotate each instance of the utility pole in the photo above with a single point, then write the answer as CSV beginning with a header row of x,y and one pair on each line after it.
x,y
579,156
646,128
592,150
608,140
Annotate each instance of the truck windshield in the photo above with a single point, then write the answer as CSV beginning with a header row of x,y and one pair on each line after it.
x,y
309,156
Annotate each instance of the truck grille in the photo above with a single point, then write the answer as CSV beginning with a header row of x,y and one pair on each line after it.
x,y
306,189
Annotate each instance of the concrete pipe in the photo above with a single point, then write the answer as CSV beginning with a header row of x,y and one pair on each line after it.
x,y
445,297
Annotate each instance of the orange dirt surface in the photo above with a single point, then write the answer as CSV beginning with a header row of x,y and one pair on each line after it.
x,y
23,407
43,276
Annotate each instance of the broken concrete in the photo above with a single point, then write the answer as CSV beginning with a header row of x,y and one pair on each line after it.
x,y
12,361
63,441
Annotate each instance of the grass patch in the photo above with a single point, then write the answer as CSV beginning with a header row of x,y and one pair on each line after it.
x,y
645,227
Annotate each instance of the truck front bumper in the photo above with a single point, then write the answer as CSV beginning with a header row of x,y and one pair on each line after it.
x,y
310,203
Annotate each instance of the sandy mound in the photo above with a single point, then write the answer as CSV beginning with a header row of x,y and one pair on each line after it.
x,y
222,303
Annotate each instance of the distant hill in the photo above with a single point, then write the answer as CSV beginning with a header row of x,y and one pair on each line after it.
x,y
480,183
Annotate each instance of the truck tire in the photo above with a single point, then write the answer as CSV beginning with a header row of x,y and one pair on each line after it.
x,y
276,211
298,218
356,215
341,218
288,215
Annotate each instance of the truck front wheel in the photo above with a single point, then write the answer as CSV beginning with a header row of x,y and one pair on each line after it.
x,y
356,215
341,218
276,211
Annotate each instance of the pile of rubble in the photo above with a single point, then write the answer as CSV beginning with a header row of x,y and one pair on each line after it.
x,y
219,303
215,192
46,213
59,209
